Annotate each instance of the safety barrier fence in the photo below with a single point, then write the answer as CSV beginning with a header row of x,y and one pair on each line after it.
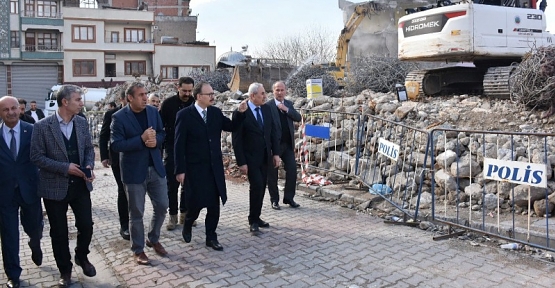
x,y
95,118
495,183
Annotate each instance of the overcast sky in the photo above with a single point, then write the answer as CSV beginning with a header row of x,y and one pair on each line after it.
x,y
231,24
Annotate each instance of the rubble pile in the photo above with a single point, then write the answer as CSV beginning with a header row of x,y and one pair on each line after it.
x,y
533,81
218,79
377,73
296,81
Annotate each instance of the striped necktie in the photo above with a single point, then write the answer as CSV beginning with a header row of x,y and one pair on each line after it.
x,y
204,115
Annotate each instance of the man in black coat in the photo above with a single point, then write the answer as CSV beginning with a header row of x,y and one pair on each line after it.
x,y
285,113
109,157
168,112
34,112
256,145
198,160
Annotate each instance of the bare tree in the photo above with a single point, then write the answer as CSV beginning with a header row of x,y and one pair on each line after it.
x,y
314,45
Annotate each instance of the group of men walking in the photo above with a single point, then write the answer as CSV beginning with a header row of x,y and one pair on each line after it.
x,y
151,152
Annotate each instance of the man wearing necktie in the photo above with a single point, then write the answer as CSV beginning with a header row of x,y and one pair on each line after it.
x,y
256,146
19,193
198,160
285,113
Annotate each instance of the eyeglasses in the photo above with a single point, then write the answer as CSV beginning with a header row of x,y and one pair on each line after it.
x,y
209,94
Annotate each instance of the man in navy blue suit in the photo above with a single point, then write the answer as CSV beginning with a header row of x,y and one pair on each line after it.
x,y
18,179
137,133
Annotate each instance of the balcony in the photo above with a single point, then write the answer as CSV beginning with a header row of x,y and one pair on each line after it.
x,y
38,20
134,45
42,52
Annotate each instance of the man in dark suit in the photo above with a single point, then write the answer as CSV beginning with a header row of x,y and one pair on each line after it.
x,y
34,112
110,157
198,160
256,145
137,134
284,112
22,115
19,182
61,147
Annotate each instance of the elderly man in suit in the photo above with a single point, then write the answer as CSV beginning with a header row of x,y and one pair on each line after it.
x,y
198,160
19,179
62,148
109,157
137,133
256,146
284,112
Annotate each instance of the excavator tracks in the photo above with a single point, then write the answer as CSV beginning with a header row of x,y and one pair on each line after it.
x,y
413,84
496,82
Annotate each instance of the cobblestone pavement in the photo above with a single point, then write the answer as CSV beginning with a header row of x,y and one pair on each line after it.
x,y
318,245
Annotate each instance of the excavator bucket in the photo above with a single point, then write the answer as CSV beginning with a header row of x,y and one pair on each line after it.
x,y
244,75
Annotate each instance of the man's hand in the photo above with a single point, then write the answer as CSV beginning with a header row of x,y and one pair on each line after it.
x,y
180,178
282,107
277,161
148,134
106,163
243,106
151,143
244,169
75,171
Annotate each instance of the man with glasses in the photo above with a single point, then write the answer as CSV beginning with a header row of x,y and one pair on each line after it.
x,y
168,111
198,160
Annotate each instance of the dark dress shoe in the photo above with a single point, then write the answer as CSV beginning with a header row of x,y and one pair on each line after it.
x,y
12,283
65,280
158,248
187,234
125,234
215,245
141,259
88,268
292,203
263,224
36,254
275,206
254,227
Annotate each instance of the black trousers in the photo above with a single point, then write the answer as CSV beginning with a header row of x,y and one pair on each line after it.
x,y
257,187
79,198
290,165
123,207
31,220
210,223
173,185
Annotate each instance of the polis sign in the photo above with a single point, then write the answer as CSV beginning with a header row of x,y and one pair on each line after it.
x,y
532,174
389,149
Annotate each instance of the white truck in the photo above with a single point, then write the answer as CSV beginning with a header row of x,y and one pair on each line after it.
x,y
90,97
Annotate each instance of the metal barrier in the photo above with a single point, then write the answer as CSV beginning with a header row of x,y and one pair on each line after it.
x,y
95,119
329,142
493,183
392,162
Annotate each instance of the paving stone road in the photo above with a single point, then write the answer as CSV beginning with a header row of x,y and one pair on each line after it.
x,y
318,245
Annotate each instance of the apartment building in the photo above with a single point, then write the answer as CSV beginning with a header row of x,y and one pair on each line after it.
x,y
31,54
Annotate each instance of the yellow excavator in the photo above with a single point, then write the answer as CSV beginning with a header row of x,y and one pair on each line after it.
x,y
340,67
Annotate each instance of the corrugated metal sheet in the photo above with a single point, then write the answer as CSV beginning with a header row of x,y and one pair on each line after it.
x,y
3,81
33,82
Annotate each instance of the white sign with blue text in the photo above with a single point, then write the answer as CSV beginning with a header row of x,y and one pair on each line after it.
x,y
532,174
389,149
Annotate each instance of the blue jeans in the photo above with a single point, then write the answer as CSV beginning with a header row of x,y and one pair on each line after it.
x,y
156,188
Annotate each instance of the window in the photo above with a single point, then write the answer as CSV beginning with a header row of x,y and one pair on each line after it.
x,y
14,7
30,41
14,39
134,35
47,41
135,67
30,8
47,9
114,37
169,72
82,33
84,68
